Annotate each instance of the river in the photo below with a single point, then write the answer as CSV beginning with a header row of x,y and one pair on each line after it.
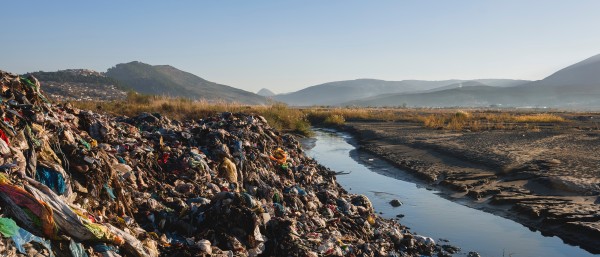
x,y
426,211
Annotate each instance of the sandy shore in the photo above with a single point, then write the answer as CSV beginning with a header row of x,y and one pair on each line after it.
x,y
548,179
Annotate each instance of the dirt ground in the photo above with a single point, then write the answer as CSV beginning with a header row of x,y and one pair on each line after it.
x,y
547,179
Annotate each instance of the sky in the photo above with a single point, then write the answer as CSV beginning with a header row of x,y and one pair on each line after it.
x,y
286,45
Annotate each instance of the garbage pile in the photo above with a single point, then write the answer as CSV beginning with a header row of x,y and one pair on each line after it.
x,y
79,183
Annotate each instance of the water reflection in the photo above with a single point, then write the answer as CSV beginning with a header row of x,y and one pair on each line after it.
x,y
425,211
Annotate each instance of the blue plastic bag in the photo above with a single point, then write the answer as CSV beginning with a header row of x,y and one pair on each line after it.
x,y
23,237
77,249
52,179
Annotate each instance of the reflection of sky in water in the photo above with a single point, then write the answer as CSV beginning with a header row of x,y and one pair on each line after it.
x,y
431,215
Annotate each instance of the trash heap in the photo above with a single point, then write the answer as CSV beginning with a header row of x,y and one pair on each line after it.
x,y
79,183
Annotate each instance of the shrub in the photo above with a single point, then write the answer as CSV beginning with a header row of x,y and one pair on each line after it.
x,y
461,115
433,121
335,120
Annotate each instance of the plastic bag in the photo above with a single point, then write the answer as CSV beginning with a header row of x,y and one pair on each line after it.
x,y
8,227
51,178
77,249
23,237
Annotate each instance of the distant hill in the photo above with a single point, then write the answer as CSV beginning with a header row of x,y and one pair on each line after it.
x,y
79,84
167,80
576,86
265,92
584,74
335,93
473,95
481,82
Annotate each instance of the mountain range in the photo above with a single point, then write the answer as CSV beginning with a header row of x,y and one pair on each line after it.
x,y
343,92
576,86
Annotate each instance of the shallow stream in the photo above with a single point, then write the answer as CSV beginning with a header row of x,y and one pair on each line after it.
x,y
426,211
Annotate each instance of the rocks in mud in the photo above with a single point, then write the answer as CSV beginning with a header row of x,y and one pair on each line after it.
x,y
451,249
78,182
473,254
424,239
395,203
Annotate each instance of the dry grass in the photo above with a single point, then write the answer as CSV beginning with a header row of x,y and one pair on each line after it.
x,y
279,116
282,117
448,119
539,118
433,121
338,116
482,120
335,120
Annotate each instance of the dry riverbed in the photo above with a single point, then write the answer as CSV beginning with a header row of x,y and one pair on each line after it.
x,y
547,179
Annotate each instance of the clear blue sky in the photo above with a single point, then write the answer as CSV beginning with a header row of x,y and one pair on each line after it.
x,y
288,45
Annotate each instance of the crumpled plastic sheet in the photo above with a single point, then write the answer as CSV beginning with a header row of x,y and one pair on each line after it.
x,y
23,237
70,222
77,249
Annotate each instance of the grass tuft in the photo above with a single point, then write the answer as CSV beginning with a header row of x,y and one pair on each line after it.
x,y
539,118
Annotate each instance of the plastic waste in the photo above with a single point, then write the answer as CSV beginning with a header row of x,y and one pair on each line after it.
x,y
23,237
77,249
228,170
8,227
52,179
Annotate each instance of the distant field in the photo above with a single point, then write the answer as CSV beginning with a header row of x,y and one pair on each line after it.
x,y
460,119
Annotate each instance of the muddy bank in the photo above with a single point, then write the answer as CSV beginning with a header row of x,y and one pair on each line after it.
x,y
547,180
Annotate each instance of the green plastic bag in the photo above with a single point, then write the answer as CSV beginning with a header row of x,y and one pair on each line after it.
x,y
8,227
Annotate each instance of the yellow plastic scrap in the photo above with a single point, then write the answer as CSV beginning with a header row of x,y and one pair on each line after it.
x,y
371,219
228,170
37,128
279,156
47,154
103,234
3,179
